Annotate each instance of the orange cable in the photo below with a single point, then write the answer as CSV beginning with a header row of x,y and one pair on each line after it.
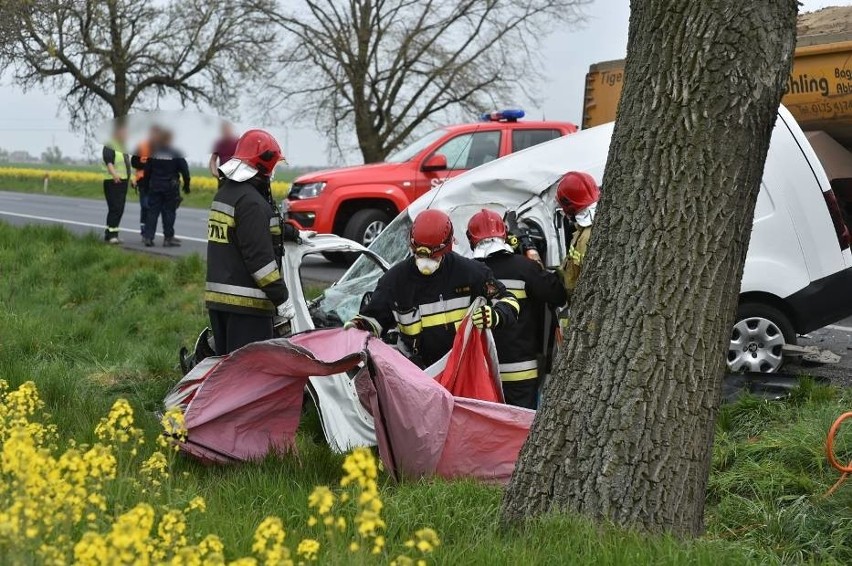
x,y
832,459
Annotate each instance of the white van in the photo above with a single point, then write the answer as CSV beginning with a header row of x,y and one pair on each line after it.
x,y
797,276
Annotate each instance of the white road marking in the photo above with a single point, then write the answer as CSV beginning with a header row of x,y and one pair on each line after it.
x,y
841,328
90,225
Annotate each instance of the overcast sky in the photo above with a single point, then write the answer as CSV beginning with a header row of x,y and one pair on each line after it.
x,y
30,121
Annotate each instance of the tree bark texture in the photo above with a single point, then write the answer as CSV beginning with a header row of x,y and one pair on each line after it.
x,y
626,428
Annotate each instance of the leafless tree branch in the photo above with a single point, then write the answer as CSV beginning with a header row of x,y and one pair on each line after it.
x,y
384,68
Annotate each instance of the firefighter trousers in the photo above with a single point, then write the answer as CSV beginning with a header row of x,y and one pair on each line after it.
x,y
232,331
521,393
116,196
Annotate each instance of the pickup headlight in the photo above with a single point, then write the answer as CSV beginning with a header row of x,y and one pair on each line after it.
x,y
308,190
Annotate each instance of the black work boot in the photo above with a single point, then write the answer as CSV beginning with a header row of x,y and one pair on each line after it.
x,y
171,242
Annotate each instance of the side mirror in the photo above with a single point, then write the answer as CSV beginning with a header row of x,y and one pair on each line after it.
x,y
437,162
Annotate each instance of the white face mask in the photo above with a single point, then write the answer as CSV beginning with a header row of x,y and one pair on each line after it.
x,y
586,216
427,265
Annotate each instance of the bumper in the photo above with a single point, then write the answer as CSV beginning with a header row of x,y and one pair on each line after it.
x,y
823,302
309,215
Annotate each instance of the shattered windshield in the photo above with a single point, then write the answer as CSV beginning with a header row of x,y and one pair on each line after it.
x,y
342,300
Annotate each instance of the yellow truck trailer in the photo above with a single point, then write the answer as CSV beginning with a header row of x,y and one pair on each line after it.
x,y
818,92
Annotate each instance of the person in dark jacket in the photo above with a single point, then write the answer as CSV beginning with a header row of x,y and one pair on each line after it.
x,y
163,169
244,289
520,345
116,177
427,295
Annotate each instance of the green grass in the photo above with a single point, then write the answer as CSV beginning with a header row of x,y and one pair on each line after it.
x,y
90,324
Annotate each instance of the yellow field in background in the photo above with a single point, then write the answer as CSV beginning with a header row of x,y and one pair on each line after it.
x,y
279,188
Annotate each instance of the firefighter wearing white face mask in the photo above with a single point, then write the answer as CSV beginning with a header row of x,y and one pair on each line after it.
x,y
427,295
578,195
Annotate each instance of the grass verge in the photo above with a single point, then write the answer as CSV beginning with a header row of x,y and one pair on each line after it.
x,y
90,324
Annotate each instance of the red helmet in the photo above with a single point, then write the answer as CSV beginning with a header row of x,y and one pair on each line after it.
x,y
431,234
576,191
259,150
483,225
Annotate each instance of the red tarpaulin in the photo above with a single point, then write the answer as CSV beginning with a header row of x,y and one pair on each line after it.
x,y
247,404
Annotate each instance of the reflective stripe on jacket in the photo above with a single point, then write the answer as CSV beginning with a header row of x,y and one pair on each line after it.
x,y
428,309
243,251
520,344
573,262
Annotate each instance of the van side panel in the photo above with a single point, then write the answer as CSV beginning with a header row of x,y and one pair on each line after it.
x,y
801,177
775,263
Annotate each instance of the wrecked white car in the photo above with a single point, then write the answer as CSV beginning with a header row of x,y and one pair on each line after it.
x,y
796,275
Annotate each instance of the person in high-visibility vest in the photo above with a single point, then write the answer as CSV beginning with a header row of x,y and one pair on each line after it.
x,y
116,163
142,153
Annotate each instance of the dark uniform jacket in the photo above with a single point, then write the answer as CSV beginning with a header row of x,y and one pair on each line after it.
x,y
244,250
162,168
427,309
520,344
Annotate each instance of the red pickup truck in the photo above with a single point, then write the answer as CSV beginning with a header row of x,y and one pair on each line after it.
x,y
358,202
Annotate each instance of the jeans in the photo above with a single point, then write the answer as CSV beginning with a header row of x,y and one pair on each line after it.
x,y
143,208
116,196
161,203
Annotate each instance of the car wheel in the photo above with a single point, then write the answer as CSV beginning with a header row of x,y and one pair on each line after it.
x,y
365,226
758,338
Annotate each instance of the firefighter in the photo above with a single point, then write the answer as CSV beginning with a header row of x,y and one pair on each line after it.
x,y
244,287
578,195
427,295
117,173
163,169
140,159
520,345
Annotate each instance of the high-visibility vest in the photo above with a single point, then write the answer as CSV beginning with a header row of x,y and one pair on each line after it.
x,y
120,161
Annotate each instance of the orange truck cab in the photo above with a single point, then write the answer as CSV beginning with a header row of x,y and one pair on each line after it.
x,y
358,202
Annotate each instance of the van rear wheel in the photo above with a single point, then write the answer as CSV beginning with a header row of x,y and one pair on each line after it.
x,y
758,338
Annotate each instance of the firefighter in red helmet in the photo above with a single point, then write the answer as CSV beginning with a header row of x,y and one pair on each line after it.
x,y
520,345
428,294
244,288
578,195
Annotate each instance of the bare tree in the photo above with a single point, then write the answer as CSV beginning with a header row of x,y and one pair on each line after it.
x,y
108,56
385,67
626,428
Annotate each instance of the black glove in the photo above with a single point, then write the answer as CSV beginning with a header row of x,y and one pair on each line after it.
x,y
186,189
290,231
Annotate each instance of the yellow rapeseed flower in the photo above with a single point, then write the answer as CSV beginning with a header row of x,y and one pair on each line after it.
x,y
308,549
321,499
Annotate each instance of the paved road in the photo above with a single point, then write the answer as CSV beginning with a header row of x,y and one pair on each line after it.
x,y
86,215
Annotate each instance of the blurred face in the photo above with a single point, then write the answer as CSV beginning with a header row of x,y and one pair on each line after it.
x,y
227,130
120,134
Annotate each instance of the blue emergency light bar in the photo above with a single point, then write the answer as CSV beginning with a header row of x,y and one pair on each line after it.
x,y
510,115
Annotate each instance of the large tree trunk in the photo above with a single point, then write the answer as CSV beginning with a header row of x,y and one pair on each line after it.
x,y
626,429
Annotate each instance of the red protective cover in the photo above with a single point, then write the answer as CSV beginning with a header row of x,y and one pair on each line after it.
x,y
470,369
